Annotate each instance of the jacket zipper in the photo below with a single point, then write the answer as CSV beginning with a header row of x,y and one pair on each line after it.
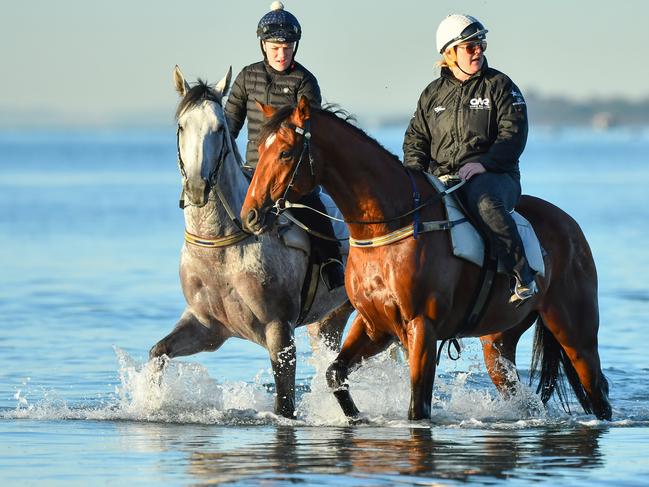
x,y
456,144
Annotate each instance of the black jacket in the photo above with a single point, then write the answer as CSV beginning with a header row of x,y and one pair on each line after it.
x,y
260,82
483,119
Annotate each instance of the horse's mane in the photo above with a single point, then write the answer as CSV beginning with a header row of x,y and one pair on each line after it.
x,y
331,111
197,94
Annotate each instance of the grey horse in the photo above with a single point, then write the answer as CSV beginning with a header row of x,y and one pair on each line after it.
x,y
236,284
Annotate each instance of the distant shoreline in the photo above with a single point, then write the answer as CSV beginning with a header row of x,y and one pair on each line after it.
x,y
544,111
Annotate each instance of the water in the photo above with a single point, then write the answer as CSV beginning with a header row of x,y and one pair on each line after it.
x,y
90,235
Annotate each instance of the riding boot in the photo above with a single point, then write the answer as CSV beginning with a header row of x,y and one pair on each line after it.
x,y
490,198
326,252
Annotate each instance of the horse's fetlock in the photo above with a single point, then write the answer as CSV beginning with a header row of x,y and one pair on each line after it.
x,y
337,377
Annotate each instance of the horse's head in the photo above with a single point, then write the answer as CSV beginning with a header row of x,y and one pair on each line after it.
x,y
286,169
202,135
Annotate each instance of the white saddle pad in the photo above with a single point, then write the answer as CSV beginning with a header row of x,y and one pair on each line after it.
x,y
340,228
468,245
297,238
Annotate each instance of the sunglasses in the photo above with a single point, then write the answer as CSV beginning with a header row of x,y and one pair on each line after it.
x,y
472,47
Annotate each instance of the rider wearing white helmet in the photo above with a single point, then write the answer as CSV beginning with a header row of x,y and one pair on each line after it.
x,y
471,124
279,80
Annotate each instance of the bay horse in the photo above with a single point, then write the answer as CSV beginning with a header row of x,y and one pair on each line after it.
x,y
414,290
236,284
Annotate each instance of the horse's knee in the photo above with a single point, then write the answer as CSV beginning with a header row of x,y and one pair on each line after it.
x,y
337,376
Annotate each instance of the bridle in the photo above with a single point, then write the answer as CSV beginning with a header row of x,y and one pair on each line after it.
x,y
213,177
305,132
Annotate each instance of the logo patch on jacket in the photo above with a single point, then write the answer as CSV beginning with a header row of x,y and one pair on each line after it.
x,y
439,109
480,104
518,98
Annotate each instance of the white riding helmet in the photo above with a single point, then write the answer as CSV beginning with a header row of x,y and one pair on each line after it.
x,y
457,28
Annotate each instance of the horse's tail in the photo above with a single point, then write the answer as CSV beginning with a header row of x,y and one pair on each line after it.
x,y
547,356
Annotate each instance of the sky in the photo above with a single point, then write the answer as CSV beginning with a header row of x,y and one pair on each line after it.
x,y
85,62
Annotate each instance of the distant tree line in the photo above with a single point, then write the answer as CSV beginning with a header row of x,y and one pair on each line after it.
x,y
549,110
557,111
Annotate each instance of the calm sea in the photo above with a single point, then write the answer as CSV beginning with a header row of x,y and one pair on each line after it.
x,y
90,233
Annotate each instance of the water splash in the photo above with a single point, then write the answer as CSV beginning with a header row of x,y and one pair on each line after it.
x,y
175,391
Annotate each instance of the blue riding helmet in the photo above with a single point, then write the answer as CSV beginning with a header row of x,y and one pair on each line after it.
x,y
279,25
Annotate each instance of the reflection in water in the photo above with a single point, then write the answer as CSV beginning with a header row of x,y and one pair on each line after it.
x,y
221,454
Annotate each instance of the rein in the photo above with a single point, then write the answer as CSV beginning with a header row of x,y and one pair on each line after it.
x,y
417,227
283,204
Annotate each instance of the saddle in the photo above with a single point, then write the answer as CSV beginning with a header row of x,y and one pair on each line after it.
x,y
297,238
468,244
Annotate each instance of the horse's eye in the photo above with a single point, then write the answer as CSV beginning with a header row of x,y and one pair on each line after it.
x,y
285,154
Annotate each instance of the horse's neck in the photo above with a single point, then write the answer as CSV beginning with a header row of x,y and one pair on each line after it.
x,y
213,220
363,179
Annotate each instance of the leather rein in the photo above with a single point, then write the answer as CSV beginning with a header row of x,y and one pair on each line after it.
x,y
417,227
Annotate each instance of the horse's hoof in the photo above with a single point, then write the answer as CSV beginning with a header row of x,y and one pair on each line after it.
x,y
157,368
286,413
357,420
160,363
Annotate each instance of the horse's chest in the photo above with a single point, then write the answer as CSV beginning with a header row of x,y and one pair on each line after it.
x,y
237,288
374,293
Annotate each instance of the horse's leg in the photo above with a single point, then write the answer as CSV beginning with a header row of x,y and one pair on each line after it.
x,y
330,329
499,351
421,358
358,345
575,328
188,337
281,348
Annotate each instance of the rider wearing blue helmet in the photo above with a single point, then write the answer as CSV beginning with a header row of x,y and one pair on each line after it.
x,y
279,80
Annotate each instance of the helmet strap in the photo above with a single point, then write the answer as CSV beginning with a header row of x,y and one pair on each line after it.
x,y
458,67
261,46
452,57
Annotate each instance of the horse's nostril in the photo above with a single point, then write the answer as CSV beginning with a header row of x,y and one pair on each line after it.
x,y
252,218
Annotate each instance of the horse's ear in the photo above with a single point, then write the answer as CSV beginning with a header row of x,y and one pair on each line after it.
x,y
223,86
303,109
267,110
182,87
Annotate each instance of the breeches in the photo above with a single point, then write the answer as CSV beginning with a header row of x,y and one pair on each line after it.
x,y
489,199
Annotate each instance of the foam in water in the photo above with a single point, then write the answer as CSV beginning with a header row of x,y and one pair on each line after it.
x,y
183,392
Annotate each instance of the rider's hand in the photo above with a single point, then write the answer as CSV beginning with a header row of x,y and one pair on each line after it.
x,y
471,169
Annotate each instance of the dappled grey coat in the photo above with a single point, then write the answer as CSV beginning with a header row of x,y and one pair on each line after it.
x,y
260,82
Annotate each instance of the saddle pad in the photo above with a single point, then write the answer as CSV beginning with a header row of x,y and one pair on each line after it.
x,y
467,243
297,238
292,235
340,228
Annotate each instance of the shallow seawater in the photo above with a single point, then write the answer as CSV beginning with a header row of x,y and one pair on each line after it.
x,y
90,236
